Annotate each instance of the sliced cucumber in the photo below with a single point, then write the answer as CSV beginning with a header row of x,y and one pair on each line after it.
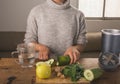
x,y
91,74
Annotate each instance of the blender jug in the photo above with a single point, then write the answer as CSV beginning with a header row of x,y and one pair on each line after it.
x,y
111,41
109,58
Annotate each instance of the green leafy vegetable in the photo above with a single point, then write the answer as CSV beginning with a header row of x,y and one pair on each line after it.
x,y
74,71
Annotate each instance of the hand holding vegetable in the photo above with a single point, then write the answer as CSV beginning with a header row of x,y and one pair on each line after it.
x,y
73,53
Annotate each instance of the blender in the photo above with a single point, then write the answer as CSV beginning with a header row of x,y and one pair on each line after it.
x,y
109,58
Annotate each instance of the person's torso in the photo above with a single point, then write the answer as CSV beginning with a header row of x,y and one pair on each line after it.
x,y
57,28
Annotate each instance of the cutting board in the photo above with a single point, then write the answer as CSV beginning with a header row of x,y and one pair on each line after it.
x,y
87,63
54,80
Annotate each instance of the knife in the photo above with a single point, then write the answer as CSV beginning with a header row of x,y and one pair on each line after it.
x,y
10,79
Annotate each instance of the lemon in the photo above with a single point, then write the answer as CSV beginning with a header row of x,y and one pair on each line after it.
x,y
43,70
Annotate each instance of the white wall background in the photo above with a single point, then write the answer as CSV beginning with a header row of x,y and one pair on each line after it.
x,y
13,16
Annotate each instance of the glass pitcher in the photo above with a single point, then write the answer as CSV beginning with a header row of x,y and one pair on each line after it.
x,y
26,55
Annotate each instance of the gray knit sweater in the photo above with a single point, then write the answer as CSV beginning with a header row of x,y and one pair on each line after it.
x,y
56,26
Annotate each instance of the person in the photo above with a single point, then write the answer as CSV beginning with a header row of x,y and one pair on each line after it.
x,y
56,27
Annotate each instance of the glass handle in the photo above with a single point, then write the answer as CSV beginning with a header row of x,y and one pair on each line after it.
x,y
13,54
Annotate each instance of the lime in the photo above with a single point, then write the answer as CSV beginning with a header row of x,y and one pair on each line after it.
x,y
43,70
63,60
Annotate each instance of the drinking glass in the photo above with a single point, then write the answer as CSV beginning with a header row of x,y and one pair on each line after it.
x,y
25,54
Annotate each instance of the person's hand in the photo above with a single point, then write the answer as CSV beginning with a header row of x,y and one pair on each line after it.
x,y
73,53
43,51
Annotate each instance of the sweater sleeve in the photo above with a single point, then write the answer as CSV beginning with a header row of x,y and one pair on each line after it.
x,y
81,35
31,30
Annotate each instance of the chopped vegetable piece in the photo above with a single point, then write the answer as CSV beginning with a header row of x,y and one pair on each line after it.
x,y
91,74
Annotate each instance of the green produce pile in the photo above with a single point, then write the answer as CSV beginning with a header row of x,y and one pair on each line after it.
x,y
74,71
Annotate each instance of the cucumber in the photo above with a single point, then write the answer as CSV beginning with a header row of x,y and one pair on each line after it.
x,y
63,60
91,74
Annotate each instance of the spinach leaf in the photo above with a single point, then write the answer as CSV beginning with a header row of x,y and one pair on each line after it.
x,y
74,71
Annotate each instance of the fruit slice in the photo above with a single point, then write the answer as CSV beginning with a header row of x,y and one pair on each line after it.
x,y
91,74
50,61
63,60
